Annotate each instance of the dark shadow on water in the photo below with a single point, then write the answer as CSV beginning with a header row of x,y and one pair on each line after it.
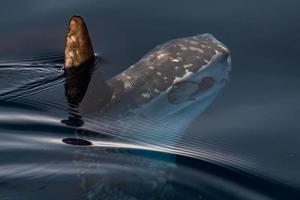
x,y
76,141
76,84
73,121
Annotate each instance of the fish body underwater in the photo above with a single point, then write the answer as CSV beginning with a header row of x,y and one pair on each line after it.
x,y
163,92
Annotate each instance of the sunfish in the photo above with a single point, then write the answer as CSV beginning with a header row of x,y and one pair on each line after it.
x,y
152,102
169,87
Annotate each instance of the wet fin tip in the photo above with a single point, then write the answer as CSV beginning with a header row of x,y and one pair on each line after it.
x,y
78,45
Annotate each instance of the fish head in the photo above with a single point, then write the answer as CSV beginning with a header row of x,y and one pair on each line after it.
x,y
183,75
205,74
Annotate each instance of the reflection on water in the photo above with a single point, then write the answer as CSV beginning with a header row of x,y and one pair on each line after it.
x,y
246,146
76,141
42,156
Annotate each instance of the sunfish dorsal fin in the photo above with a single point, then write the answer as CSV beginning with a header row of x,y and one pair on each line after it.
x,y
78,45
85,88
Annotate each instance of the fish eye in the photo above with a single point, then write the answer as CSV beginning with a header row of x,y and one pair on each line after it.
x,y
206,83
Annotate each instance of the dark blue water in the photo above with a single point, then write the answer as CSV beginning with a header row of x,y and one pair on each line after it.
x,y
245,146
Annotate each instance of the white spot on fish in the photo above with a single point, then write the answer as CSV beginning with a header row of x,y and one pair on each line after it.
x,y
193,42
113,96
206,61
158,73
146,95
175,60
156,90
161,56
127,84
217,52
182,47
165,78
220,45
176,67
151,68
175,79
187,66
128,77
185,76
196,49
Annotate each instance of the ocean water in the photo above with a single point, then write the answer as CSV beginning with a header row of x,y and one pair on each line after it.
x,y
244,146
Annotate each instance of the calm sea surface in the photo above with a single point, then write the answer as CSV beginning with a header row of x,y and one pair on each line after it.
x,y
244,146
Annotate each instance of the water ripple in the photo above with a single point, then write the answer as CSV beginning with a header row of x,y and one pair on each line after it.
x,y
109,157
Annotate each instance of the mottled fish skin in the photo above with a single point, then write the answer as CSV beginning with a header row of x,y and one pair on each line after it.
x,y
166,65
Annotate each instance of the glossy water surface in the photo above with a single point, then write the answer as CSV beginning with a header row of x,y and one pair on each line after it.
x,y
245,146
